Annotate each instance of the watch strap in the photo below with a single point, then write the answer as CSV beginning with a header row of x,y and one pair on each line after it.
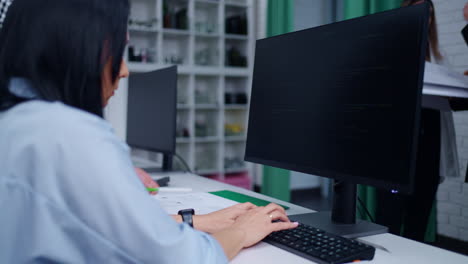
x,y
187,216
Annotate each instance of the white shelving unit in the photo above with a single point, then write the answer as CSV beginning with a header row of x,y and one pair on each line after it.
x,y
212,42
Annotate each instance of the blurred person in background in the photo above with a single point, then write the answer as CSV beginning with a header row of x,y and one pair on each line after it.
x,y
437,157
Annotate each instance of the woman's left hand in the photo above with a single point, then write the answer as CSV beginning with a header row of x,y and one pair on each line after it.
x,y
222,219
146,179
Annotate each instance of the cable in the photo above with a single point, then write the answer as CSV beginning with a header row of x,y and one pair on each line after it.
x,y
183,163
365,208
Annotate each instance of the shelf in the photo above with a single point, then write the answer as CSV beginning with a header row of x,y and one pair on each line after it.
x,y
235,107
235,138
206,106
207,70
175,32
207,171
143,29
182,140
207,35
183,107
178,2
144,67
235,170
186,69
237,71
195,39
235,4
208,2
207,139
237,37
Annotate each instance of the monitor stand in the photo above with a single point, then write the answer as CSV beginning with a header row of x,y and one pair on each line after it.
x,y
342,219
166,165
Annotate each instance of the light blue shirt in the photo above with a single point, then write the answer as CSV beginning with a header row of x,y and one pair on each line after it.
x,y
69,194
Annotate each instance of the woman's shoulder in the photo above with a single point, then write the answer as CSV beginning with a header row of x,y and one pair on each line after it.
x,y
53,121
56,114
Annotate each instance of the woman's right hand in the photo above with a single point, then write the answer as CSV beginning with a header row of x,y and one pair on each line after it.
x,y
251,227
258,223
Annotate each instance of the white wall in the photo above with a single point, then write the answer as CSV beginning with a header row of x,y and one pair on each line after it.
x,y
116,110
313,13
261,11
452,197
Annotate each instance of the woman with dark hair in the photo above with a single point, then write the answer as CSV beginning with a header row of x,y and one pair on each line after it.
x,y
432,53
408,215
68,191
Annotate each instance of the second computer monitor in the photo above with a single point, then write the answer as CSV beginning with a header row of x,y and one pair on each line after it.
x,y
151,114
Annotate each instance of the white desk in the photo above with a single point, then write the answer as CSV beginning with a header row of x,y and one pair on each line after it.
x,y
401,250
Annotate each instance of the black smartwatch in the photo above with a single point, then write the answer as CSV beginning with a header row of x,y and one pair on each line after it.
x,y
187,216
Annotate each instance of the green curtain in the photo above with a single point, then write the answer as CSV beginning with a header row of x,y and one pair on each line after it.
x,y
280,17
357,8
280,20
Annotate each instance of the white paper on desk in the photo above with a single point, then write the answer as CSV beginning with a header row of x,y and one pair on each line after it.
x,y
441,75
203,203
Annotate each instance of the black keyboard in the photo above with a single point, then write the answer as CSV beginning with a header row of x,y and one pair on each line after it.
x,y
320,246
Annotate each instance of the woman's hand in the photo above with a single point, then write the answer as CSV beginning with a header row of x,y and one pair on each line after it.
x,y
258,223
251,227
222,219
146,179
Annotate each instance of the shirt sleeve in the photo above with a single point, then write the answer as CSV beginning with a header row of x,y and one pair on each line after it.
x,y
105,210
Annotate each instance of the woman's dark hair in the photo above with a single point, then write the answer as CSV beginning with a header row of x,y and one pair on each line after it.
x,y
433,35
61,47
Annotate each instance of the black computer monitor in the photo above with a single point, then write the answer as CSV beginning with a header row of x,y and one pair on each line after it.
x,y
151,112
342,101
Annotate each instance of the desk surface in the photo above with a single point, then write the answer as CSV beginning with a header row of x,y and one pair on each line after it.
x,y
401,250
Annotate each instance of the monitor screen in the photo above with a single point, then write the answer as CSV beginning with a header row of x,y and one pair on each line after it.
x,y
342,100
151,112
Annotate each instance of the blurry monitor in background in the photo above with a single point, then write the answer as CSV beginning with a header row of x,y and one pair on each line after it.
x,y
151,114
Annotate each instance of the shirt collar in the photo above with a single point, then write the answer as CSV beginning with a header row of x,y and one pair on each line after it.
x,y
22,87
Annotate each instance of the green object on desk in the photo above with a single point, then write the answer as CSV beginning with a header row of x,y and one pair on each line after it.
x,y
152,189
242,198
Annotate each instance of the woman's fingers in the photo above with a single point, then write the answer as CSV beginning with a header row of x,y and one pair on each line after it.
x,y
276,215
146,179
246,206
278,226
273,207
240,209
